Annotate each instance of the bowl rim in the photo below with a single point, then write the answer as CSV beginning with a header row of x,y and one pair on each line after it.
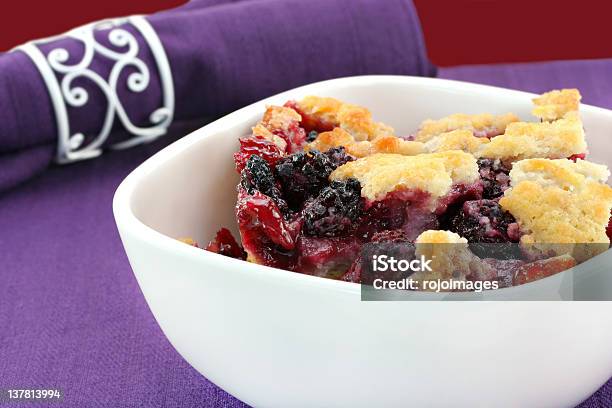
x,y
126,219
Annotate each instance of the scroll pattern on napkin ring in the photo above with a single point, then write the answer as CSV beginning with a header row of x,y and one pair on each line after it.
x,y
65,93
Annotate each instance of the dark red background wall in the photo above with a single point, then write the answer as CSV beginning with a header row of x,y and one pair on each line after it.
x,y
23,20
456,31
484,31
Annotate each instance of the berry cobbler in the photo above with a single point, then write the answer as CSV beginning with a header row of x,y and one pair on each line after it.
x,y
320,178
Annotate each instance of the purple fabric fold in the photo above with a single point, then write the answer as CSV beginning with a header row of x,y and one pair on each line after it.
x,y
223,55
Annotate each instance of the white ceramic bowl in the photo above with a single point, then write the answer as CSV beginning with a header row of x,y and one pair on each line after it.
x,y
280,339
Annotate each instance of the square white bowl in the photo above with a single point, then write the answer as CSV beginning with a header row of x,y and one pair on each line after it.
x,y
277,338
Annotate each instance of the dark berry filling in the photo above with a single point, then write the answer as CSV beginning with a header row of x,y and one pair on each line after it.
x,y
303,175
270,227
395,236
396,211
257,176
294,135
541,269
353,274
225,244
328,257
505,269
256,146
458,194
382,215
609,228
334,211
484,221
392,243
575,157
494,175
258,211
265,234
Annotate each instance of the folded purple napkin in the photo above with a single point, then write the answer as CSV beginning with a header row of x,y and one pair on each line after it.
x,y
200,60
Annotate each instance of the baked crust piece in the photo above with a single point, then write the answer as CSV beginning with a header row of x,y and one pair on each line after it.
x,y
523,140
384,144
556,104
460,139
433,173
560,201
328,140
450,257
324,109
447,251
440,237
514,140
276,119
483,124
354,119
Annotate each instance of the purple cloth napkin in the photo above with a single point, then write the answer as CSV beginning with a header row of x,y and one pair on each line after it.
x,y
223,55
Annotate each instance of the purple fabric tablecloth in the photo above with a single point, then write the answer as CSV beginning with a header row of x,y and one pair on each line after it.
x,y
71,313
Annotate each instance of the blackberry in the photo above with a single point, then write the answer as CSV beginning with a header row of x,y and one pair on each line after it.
x,y
334,211
303,175
384,215
485,222
257,176
494,176
338,156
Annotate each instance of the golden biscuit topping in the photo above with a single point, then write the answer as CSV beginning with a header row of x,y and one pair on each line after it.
x,y
261,131
556,104
384,144
453,261
440,237
279,118
189,241
276,119
523,140
434,173
561,173
559,201
328,140
483,124
445,259
460,139
323,108
354,119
